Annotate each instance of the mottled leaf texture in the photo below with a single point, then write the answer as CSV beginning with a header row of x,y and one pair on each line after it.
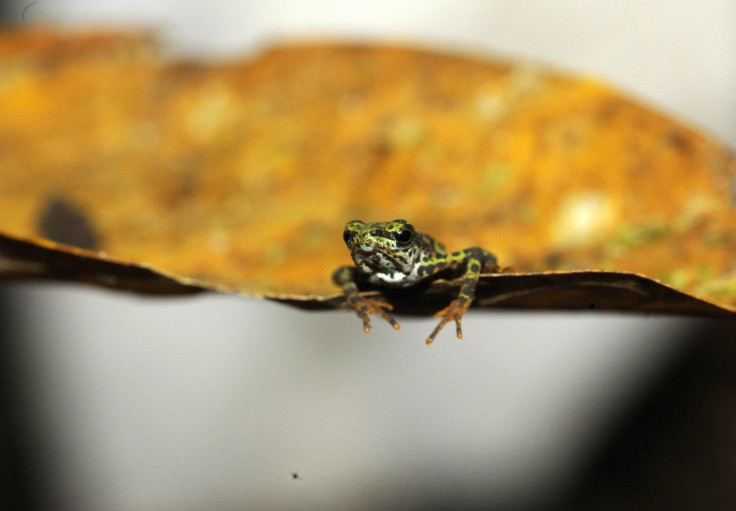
x,y
123,168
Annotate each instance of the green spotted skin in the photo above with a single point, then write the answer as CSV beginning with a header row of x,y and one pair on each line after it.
x,y
394,254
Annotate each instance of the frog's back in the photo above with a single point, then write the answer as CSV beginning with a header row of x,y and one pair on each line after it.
x,y
431,246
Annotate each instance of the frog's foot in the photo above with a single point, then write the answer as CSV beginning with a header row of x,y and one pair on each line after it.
x,y
365,306
453,312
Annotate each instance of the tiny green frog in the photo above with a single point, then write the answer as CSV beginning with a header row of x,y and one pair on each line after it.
x,y
394,254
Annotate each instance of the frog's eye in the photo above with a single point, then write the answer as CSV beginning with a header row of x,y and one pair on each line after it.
x,y
347,236
405,235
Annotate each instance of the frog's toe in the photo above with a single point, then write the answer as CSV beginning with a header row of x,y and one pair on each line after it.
x,y
382,308
368,306
366,322
364,315
434,333
458,328
388,317
453,312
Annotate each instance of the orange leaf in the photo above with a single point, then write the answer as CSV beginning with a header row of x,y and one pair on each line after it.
x,y
174,176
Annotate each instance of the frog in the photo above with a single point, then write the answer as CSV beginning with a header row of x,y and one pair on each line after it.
x,y
396,255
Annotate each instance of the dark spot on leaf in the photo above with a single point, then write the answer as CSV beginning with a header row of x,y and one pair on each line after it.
x,y
553,259
67,223
381,149
608,110
676,140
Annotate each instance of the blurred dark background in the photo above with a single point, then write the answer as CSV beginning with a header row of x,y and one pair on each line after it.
x,y
676,448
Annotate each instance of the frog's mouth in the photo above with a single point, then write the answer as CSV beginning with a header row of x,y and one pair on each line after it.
x,y
373,260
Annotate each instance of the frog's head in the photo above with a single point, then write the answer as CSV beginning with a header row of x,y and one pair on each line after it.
x,y
386,250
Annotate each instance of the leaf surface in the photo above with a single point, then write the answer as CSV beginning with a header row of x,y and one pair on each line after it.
x,y
126,169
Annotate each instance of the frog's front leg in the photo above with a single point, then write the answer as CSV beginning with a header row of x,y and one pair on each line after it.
x,y
475,260
345,278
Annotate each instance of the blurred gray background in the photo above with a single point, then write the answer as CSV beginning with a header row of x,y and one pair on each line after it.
x,y
220,402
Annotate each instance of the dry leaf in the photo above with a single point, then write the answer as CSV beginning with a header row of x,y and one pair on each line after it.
x,y
240,176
